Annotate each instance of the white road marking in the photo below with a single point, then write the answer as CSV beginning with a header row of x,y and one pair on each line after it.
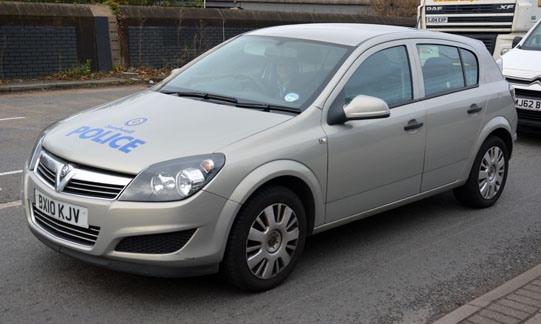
x,y
12,118
11,172
11,204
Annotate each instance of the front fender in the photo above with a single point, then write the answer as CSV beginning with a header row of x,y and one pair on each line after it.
x,y
257,178
280,168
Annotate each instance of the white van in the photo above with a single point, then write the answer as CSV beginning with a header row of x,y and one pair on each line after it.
x,y
522,68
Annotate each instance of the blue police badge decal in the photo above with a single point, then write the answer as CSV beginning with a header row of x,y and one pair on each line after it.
x,y
136,121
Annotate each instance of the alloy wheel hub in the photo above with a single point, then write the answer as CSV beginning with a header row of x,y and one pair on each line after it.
x,y
491,172
274,241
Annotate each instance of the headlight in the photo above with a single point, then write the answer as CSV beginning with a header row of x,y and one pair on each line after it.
x,y
174,179
512,92
499,61
37,146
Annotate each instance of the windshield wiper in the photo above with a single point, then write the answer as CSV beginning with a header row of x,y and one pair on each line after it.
x,y
235,101
206,95
267,107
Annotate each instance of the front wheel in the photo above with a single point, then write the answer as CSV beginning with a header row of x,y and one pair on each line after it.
x,y
266,239
488,175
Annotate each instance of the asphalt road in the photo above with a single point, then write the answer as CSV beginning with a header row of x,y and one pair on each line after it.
x,y
410,265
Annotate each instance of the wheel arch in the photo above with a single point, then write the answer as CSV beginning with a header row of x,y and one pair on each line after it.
x,y
498,126
302,190
506,137
291,174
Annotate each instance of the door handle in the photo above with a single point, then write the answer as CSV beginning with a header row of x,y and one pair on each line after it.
x,y
413,124
474,109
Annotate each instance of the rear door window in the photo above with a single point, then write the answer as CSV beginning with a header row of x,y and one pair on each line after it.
x,y
442,68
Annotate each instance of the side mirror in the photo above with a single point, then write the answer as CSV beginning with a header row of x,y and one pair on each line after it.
x,y
365,107
516,40
361,107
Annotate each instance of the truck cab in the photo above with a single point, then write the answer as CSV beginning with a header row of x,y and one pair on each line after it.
x,y
494,22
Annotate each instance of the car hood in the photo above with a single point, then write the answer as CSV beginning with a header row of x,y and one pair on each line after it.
x,y
129,135
522,64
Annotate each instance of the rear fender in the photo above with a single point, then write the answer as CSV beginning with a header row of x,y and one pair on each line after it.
x,y
494,124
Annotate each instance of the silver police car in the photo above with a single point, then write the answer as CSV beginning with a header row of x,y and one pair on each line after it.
x,y
280,133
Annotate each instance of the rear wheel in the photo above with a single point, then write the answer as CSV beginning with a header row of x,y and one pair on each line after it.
x,y
266,239
488,175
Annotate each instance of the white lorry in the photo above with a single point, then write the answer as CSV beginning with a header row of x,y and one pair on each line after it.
x,y
494,22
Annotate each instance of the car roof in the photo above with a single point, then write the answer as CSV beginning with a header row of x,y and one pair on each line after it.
x,y
347,34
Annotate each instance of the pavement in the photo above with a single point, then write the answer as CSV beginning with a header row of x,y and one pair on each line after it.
x,y
516,301
33,85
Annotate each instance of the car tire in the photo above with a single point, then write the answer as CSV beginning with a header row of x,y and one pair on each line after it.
x,y
488,175
266,239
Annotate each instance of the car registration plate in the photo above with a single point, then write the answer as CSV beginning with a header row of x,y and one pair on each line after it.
x,y
437,20
529,104
67,213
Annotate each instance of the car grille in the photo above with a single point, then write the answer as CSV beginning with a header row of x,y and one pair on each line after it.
x,y
529,115
93,189
155,243
531,94
46,173
76,234
520,81
83,183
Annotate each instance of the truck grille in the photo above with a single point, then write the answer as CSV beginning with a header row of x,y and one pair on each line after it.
x,y
489,39
481,19
475,17
75,234
471,9
86,181
155,243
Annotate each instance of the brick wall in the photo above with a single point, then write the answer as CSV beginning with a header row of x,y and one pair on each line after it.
x,y
171,37
166,46
28,51
42,38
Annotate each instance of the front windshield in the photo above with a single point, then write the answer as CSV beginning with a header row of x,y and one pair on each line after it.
x,y
533,42
267,70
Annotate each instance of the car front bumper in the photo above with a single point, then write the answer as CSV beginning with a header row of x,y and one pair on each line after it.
x,y
207,215
531,119
528,117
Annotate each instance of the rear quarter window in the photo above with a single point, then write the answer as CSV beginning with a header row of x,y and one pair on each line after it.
x,y
471,67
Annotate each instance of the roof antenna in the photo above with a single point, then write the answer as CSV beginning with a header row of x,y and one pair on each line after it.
x,y
423,5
